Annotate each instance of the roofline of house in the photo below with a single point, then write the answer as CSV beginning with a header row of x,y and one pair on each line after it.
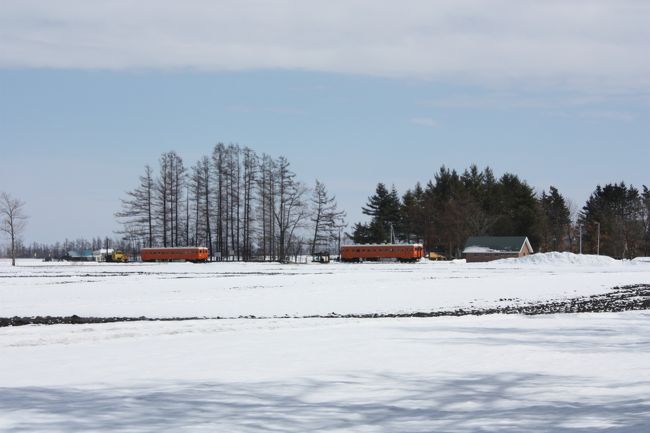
x,y
527,242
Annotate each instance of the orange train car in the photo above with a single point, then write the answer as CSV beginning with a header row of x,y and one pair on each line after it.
x,y
187,254
401,252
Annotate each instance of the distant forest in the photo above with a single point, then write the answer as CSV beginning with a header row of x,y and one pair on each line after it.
x,y
245,206
451,207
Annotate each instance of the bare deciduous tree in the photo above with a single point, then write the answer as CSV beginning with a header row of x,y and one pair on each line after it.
x,y
249,177
137,209
327,219
169,196
219,163
12,220
290,210
266,202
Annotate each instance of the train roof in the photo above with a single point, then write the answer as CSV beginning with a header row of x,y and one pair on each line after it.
x,y
382,245
170,248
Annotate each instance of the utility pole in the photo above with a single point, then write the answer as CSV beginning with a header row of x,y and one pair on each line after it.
x,y
580,238
598,241
340,244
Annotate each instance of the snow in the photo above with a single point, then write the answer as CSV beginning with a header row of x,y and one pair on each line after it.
x,y
556,258
492,373
477,249
269,289
507,373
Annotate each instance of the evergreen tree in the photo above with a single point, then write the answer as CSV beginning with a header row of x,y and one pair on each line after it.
x,y
361,234
555,220
449,207
518,208
613,221
384,208
412,212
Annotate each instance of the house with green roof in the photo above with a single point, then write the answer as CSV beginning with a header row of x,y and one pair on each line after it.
x,y
488,248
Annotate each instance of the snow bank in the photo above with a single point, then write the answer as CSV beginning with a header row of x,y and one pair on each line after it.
x,y
555,258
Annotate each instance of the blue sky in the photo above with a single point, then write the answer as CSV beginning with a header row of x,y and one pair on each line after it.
x,y
84,106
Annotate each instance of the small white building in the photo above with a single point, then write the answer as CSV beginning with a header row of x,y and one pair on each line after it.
x,y
101,254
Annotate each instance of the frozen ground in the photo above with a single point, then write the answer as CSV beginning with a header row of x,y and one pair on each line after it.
x,y
262,289
565,373
554,373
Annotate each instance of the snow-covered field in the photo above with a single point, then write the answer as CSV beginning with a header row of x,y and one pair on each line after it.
x,y
555,373
269,289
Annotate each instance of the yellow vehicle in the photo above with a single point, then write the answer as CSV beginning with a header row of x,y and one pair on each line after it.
x,y
436,256
117,257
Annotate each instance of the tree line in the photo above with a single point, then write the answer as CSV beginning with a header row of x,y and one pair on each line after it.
x,y
616,220
241,205
454,206
245,206
59,250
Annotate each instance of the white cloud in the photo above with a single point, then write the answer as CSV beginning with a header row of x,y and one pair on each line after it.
x,y
424,121
241,108
578,44
521,99
622,116
610,115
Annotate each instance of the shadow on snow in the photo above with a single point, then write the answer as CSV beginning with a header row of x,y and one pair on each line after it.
x,y
376,403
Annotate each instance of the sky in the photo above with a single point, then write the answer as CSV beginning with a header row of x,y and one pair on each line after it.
x,y
352,92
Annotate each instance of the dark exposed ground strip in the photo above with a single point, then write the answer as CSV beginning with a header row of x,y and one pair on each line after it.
x,y
624,298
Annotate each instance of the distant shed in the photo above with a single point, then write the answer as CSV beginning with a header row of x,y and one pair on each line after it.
x,y
80,256
488,248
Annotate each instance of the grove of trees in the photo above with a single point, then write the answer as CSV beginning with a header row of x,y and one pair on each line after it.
x,y
616,221
241,205
454,206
